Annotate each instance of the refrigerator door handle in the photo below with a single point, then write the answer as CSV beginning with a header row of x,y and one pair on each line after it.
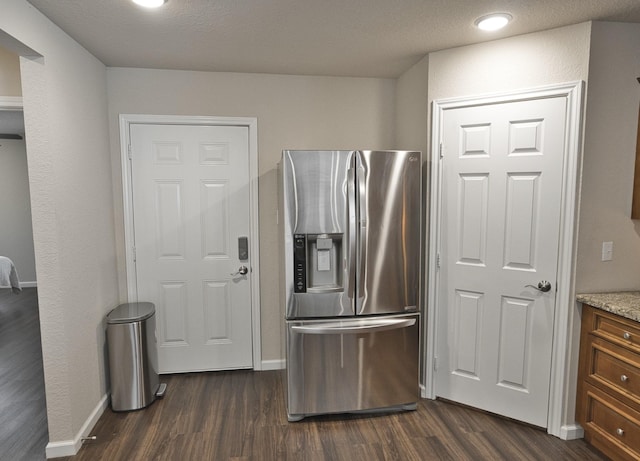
x,y
351,214
363,232
361,326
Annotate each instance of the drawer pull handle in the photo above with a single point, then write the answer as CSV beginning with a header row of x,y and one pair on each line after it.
x,y
620,432
624,378
626,335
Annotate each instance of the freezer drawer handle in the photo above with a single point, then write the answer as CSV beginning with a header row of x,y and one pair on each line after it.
x,y
360,327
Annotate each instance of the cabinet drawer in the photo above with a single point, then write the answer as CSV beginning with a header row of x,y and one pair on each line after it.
x,y
618,330
615,368
611,426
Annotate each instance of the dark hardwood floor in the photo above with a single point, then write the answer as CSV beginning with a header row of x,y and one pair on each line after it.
x,y
23,416
240,415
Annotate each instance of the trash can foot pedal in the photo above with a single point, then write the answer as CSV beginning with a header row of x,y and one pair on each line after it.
x,y
162,388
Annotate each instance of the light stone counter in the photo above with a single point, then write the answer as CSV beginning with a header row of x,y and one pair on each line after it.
x,y
622,303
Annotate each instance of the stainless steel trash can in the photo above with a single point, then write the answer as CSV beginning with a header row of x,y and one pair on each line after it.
x,y
133,356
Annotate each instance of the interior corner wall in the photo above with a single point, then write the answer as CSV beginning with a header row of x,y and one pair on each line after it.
x,y
293,112
65,110
413,108
613,99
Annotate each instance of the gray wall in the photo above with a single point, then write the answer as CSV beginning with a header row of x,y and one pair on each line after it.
x,y
65,110
293,112
412,108
611,123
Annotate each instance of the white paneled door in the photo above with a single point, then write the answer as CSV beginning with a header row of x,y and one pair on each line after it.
x,y
190,187
501,195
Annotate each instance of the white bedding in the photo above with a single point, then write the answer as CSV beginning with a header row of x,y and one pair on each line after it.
x,y
9,275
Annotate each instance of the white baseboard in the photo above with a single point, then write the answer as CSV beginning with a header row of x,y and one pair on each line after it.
x,y
28,284
71,447
278,364
571,432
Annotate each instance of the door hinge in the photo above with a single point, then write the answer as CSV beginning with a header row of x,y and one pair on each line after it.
x,y
133,251
441,151
438,261
435,364
129,151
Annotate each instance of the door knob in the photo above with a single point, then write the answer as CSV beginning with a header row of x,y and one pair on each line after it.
x,y
543,286
242,270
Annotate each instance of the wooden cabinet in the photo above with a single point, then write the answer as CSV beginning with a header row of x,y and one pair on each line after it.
x,y
608,399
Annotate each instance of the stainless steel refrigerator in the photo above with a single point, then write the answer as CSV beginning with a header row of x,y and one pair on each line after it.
x,y
350,224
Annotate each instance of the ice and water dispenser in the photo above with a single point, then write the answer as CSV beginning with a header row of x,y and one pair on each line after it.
x,y
317,263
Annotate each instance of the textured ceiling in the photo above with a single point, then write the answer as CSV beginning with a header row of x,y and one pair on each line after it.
x,y
366,38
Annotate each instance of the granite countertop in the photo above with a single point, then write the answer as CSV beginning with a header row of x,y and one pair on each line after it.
x,y
623,303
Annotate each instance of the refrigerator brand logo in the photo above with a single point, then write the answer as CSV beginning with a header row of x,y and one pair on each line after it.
x,y
413,158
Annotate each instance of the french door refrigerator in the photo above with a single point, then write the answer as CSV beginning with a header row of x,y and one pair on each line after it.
x,y
350,224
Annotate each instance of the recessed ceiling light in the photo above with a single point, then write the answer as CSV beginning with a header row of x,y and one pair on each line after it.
x,y
149,3
493,21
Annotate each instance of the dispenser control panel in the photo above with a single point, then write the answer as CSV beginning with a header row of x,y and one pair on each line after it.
x,y
299,263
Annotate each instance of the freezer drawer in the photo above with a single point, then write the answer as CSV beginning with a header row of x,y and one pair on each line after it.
x,y
337,366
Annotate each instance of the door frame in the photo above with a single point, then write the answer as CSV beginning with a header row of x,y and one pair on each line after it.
x,y
559,423
126,120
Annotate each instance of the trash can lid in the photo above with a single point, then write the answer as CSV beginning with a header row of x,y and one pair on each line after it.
x,y
131,312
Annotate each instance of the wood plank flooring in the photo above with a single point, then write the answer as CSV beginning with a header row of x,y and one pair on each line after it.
x,y
240,415
23,416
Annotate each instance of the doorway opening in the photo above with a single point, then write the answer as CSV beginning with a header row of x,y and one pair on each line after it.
x,y
23,424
